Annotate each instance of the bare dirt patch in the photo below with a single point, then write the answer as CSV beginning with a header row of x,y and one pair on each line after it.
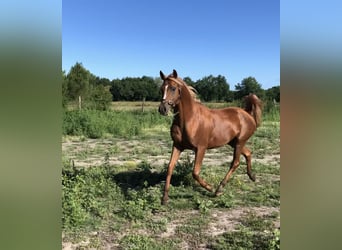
x,y
92,152
227,220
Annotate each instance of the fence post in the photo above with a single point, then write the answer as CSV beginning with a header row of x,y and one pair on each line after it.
x,y
143,105
79,102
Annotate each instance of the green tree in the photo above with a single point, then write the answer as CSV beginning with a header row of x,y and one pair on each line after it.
x,y
189,81
273,94
222,88
135,89
78,82
100,81
247,86
147,89
115,89
212,88
158,82
100,97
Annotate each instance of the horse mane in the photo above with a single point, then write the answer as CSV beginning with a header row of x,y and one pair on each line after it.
x,y
192,90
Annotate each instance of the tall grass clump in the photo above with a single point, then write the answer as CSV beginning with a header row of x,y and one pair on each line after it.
x,y
96,123
271,112
88,123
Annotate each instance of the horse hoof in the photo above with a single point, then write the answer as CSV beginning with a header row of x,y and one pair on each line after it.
x,y
218,193
164,202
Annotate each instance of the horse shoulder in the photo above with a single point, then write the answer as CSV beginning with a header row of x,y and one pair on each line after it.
x,y
203,125
176,132
197,127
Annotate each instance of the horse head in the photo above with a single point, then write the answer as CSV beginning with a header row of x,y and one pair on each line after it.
x,y
171,90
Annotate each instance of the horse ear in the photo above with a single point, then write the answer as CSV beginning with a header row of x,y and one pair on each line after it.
x,y
174,73
162,76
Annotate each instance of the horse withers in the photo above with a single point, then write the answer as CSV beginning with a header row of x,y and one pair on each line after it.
x,y
199,128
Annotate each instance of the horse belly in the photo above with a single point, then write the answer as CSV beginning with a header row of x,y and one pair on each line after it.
x,y
215,142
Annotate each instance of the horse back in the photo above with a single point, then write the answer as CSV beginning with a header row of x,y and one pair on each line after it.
x,y
230,123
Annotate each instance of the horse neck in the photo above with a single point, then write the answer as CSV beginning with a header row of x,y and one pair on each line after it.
x,y
185,108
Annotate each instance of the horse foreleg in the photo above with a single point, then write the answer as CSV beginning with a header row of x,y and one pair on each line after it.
x,y
248,156
174,158
235,163
199,155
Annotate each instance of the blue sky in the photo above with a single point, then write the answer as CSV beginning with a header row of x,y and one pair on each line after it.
x,y
116,39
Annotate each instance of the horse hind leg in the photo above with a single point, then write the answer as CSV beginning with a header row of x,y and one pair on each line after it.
x,y
235,163
248,156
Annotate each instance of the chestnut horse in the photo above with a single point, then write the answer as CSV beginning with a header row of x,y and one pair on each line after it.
x,y
199,128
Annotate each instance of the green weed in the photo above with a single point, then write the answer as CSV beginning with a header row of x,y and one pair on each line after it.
x,y
246,238
140,204
143,242
88,196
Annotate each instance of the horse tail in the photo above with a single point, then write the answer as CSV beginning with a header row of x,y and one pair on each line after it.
x,y
253,106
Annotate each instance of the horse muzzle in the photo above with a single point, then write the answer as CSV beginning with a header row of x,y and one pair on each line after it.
x,y
164,107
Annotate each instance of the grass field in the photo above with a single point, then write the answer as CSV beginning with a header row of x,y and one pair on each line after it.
x,y
113,182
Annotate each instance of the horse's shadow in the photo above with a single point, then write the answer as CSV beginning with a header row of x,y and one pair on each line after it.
x,y
144,177
137,179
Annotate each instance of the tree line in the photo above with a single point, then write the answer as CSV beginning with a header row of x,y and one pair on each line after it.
x,y
96,92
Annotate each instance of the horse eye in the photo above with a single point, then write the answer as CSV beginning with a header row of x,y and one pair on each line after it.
x,y
173,88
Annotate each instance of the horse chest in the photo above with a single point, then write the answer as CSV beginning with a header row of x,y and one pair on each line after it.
x,y
181,137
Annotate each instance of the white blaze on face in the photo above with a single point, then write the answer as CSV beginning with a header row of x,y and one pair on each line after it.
x,y
165,92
